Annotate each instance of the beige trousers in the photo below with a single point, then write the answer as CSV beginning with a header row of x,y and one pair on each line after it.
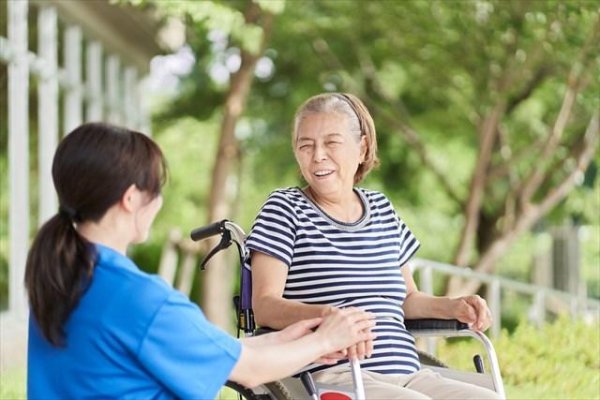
x,y
424,384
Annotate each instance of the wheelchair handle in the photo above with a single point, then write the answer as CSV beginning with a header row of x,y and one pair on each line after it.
x,y
208,230
224,227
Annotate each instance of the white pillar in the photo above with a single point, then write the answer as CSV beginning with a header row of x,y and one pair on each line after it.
x,y
47,110
73,94
94,81
112,89
145,125
131,105
18,154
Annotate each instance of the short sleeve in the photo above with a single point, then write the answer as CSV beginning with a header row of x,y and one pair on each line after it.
x,y
274,230
189,356
408,243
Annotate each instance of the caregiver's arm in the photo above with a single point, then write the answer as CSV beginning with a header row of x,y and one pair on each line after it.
x,y
274,356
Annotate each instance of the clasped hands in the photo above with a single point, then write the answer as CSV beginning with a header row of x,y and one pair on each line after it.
x,y
360,350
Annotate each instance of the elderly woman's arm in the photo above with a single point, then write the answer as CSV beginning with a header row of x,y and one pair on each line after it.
x,y
270,308
472,310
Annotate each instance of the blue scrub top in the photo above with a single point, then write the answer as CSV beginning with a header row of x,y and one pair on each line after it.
x,y
132,337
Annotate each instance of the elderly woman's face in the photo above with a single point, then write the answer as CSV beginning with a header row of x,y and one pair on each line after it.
x,y
328,153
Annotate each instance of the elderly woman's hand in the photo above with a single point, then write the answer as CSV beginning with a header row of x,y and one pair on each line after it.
x,y
349,326
472,310
359,350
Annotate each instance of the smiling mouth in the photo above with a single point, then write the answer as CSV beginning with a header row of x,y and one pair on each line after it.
x,y
321,174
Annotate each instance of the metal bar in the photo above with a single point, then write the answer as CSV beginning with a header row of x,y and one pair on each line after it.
x,y
47,110
504,282
18,154
493,361
487,345
359,388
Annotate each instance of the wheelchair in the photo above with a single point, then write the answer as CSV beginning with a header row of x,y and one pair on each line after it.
x,y
303,387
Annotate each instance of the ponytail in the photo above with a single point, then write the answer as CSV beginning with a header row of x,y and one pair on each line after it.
x,y
59,266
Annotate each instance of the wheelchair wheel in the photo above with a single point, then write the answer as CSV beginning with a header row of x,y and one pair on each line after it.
x,y
235,391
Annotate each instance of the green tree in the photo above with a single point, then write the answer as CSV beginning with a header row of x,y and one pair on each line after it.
x,y
513,85
245,27
486,110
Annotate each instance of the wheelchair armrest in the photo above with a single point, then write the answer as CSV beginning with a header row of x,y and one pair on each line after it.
x,y
432,324
413,325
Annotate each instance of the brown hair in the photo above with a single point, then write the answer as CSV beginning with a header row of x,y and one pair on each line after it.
x,y
93,166
359,120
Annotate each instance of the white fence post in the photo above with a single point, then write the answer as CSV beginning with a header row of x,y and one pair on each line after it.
x,y
426,286
73,95
94,81
130,96
18,154
143,107
47,109
112,89
426,282
494,298
538,308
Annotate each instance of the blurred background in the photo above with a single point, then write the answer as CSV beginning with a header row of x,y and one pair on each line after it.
x,y
487,115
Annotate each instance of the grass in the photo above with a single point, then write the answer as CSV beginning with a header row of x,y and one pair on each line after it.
x,y
12,384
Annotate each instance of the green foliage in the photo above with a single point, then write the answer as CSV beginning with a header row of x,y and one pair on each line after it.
x,y
227,17
436,66
189,147
559,361
13,384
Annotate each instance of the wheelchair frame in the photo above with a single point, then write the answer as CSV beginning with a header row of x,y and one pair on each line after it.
x,y
232,233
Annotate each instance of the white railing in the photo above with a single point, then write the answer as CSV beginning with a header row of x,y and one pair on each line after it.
x,y
543,299
102,86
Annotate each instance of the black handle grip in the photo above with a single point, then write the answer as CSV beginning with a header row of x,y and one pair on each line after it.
x,y
478,361
208,230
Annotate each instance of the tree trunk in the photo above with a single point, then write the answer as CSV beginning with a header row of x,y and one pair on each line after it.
x,y
488,136
532,213
218,279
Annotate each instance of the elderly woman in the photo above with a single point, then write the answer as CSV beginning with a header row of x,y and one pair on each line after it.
x,y
333,245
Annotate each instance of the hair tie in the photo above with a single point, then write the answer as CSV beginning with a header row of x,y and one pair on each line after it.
x,y
67,212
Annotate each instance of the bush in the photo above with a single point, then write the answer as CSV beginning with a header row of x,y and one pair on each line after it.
x,y
558,361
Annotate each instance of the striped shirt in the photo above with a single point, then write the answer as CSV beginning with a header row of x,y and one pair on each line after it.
x,y
344,265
